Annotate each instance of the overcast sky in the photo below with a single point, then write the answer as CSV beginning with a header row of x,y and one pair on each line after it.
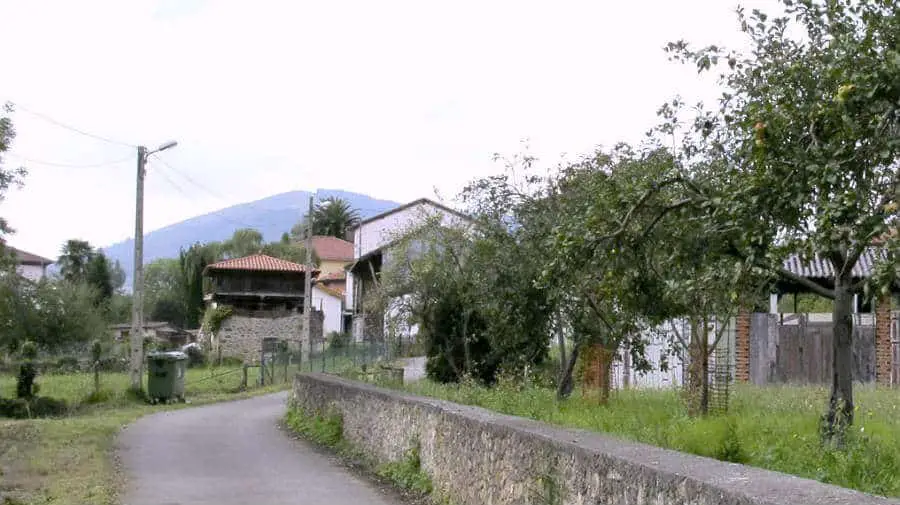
x,y
388,98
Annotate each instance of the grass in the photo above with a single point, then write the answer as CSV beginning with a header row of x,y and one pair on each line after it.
x,y
327,430
774,427
69,460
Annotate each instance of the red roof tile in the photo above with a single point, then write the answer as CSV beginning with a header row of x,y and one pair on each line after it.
x,y
27,258
335,291
332,248
333,277
257,262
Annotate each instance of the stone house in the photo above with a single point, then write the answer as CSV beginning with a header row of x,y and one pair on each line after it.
x,y
374,241
265,296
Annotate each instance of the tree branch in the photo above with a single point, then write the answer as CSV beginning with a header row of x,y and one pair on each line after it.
x,y
791,276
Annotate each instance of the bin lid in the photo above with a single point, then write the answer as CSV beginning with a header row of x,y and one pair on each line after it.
x,y
167,355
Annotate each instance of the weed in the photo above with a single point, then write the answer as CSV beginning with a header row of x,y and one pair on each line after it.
x,y
408,473
327,430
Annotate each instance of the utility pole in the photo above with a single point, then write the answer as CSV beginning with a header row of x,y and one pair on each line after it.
x,y
307,288
136,368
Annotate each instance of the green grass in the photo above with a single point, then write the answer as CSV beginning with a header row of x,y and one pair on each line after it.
x,y
774,427
327,430
69,460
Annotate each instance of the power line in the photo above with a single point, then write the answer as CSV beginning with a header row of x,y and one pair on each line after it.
x,y
190,179
72,128
70,165
181,190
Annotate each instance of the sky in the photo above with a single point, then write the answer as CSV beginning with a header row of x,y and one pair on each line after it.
x,y
394,99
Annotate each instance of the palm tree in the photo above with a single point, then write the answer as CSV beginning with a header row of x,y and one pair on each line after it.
x,y
332,217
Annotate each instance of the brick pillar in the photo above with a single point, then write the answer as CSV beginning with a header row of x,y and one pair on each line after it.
x,y
742,346
883,354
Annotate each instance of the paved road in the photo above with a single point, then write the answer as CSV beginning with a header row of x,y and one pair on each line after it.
x,y
232,453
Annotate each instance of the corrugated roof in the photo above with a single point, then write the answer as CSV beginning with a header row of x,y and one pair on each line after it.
x,y
27,258
332,248
258,263
819,268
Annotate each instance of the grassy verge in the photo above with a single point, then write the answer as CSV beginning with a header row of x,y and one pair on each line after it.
x,y
774,427
326,430
69,460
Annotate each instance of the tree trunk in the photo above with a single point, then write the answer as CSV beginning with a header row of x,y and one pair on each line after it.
x,y
840,403
96,377
561,340
467,365
567,382
697,381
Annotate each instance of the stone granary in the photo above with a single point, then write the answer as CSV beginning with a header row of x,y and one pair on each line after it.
x,y
264,296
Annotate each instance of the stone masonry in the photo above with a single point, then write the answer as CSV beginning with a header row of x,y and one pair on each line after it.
x,y
474,456
883,348
241,335
742,346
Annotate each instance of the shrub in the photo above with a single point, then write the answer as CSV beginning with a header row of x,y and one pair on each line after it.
x,y
338,340
39,406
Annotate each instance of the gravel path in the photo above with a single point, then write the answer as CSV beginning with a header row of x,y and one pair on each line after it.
x,y
233,453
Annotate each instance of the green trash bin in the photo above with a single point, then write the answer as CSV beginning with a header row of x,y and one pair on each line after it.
x,y
165,376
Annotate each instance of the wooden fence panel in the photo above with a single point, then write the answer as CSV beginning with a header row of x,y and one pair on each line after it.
x,y
797,350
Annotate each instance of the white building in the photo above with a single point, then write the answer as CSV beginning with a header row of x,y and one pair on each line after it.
x,y
31,266
372,242
330,301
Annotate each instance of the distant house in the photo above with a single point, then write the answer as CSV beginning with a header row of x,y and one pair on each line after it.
x,y
373,250
334,254
162,333
328,297
31,266
265,296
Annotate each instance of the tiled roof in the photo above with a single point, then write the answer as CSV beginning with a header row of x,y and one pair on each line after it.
x,y
332,248
259,263
333,277
27,258
819,268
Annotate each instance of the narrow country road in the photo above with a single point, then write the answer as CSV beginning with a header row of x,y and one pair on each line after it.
x,y
232,453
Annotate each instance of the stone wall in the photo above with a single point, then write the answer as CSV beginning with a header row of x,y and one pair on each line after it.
x,y
476,457
241,335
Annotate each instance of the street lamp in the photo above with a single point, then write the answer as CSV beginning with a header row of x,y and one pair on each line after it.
x,y
136,367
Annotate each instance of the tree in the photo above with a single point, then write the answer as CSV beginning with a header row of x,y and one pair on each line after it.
x,y
244,242
98,274
54,314
332,216
817,117
8,176
74,259
288,250
192,261
116,276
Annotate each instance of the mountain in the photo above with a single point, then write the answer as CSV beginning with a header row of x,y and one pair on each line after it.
x,y
272,216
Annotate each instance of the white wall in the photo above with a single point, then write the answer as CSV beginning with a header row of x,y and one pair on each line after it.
x,y
31,272
331,308
371,236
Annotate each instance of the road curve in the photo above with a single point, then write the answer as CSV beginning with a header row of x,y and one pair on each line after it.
x,y
232,453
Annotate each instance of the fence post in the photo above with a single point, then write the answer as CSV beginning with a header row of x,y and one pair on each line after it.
x,y
244,376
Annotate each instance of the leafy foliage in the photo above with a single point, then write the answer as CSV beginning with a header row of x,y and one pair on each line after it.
x,y
332,217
